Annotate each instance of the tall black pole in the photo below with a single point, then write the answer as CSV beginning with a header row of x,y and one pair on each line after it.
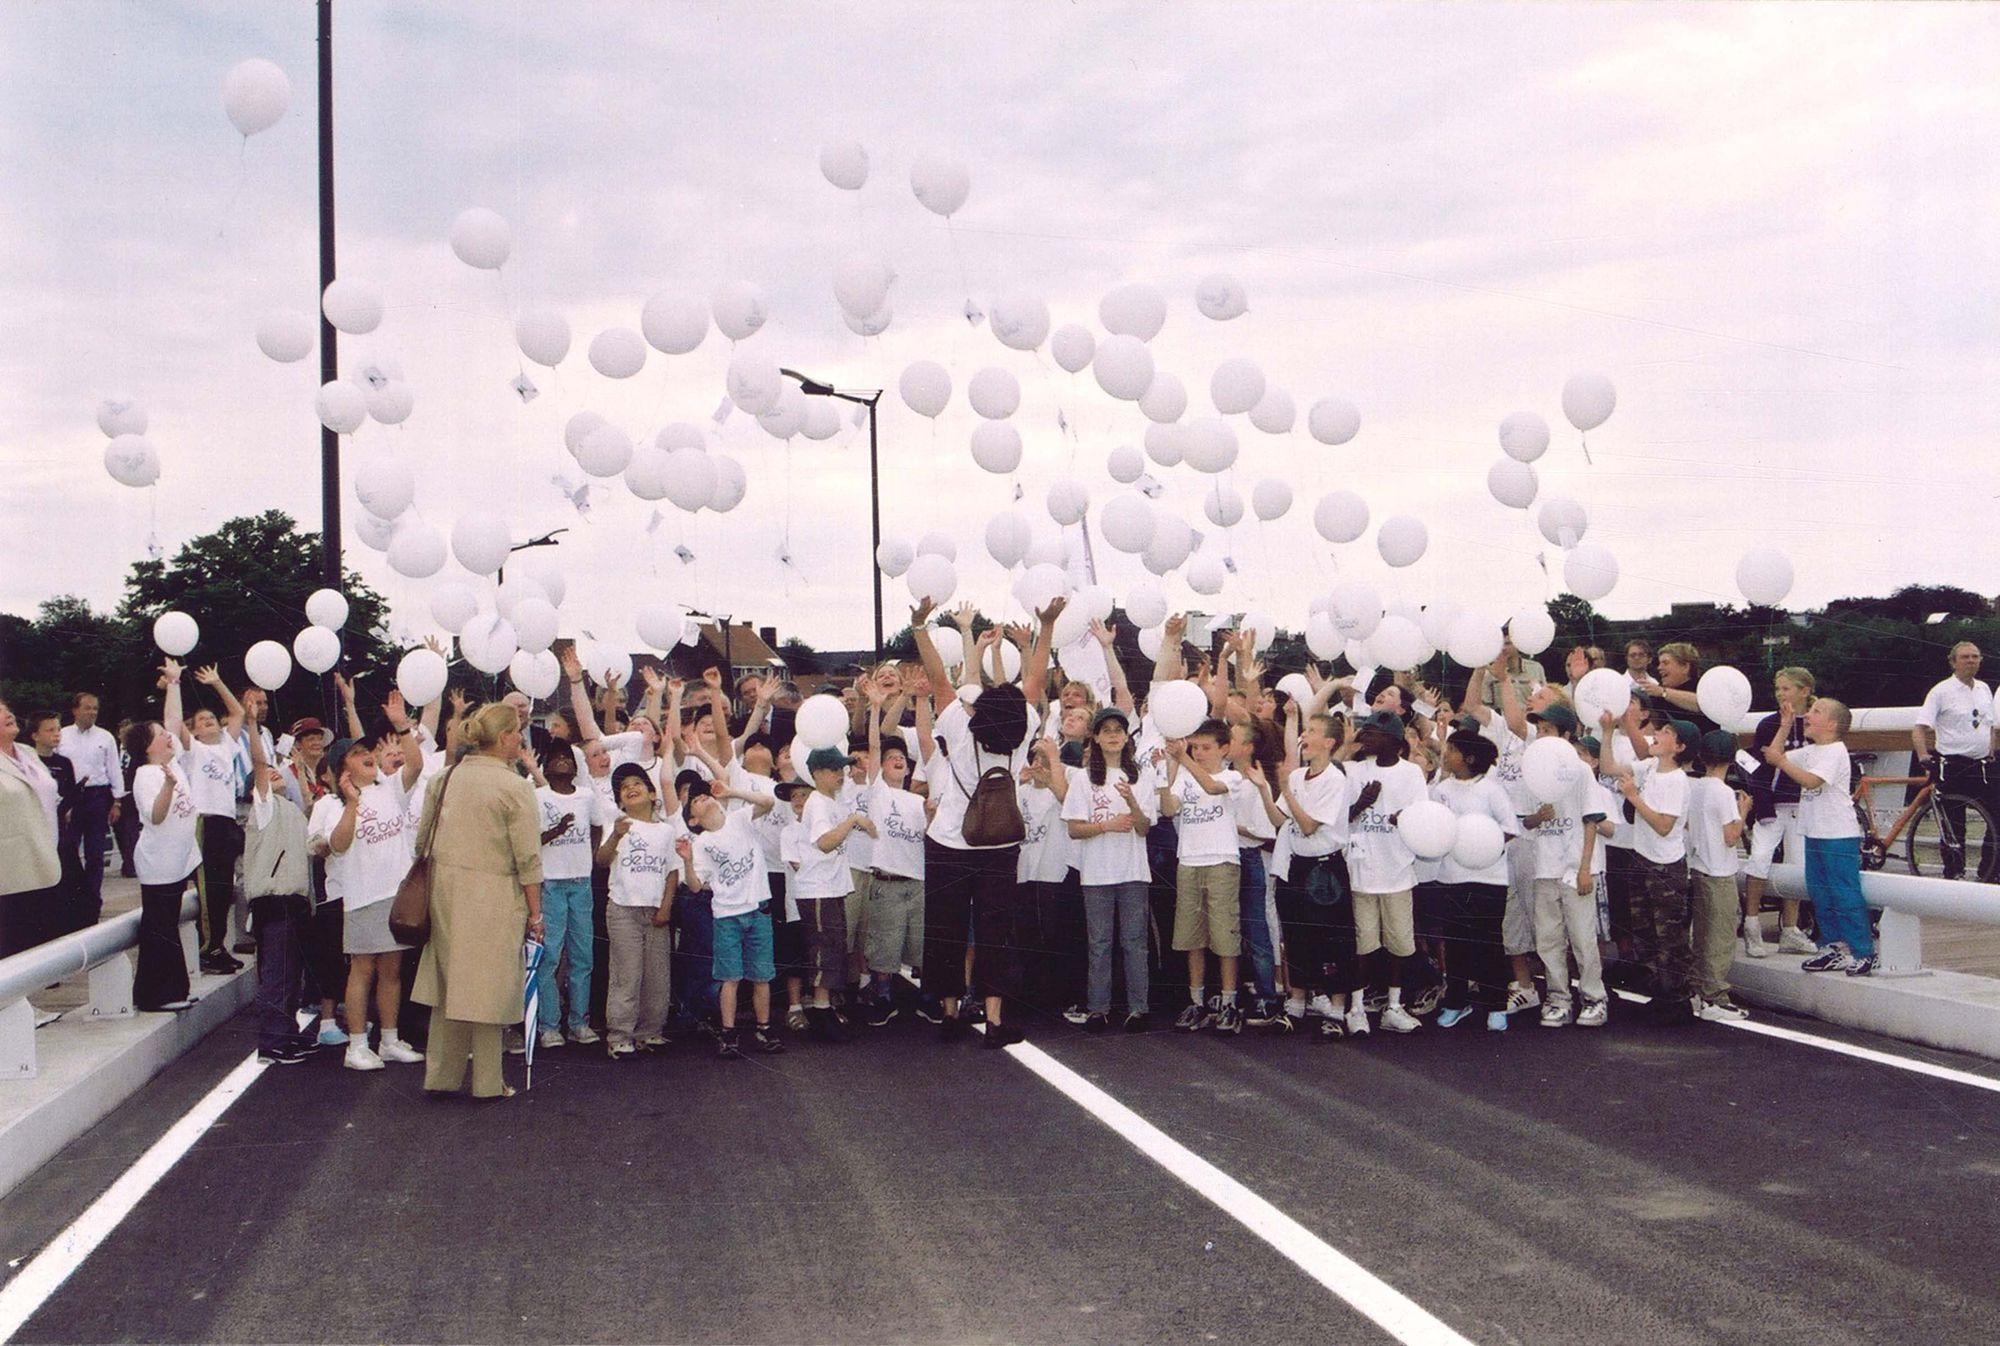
x,y
329,343
875,523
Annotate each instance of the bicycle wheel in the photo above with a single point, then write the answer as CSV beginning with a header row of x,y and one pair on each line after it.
x,y
1924,849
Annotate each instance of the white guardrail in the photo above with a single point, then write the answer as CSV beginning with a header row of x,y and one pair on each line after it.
x,y
102,951
1904,901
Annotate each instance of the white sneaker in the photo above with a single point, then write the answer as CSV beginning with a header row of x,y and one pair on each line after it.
x,y
1724,1011
395,1049
551,1038
360,1058
1592,1015
1357,1021
1321,1007
1794,940
1555,1014
1396,1019
1521,997
584,1036
1753,938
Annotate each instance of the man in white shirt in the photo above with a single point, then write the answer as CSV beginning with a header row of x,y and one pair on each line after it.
x,y
1955,728
100,780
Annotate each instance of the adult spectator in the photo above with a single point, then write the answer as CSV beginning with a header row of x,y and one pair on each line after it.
x,y
1955,729
1774,816
43,731
1526,674
1674,690
483,836
100,779
30,873
1638,662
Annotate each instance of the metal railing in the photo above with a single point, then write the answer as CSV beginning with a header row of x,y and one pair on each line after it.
x,y
1904,900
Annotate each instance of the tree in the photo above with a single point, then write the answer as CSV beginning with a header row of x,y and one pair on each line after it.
x,y
799,657
70,648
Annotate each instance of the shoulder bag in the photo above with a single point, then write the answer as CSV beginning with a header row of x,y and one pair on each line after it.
x,y
992,809
410,909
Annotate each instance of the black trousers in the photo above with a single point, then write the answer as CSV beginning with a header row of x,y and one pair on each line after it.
x,y
221,847
1980,778
278,923
1319,936
1469,918
1053,942
162,977
962,887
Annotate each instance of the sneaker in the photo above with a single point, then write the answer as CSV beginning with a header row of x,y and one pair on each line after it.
x,y
726,1048
1451,1017
766,1041
1426,999
401,1052
619,1050
1396,1019
1295,1006
1794,940
1833,958
928,1011
331,1035
1522,998
1263,1013
1334,1027
654,1042
1753,938
1375,1001
1211,1011
550,1039
1003,1035
1722,1011
1190,1020
583,1035
1320,1007
1228,1019
972,1009
245,945
1860,967
1555,1014
1096,1023
1287,1022
1496,1021
219,965
883,1012
360,1058
1357,1020
284,1054
1593,1014
796,1021
516,1044
1076,1014
1137,1022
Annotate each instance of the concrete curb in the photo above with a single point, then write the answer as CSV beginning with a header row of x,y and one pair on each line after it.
x,y
1950,1010
89,1066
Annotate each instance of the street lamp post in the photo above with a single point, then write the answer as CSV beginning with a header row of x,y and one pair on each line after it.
x,y
812,387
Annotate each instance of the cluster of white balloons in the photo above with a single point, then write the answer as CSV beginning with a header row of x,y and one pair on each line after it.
x,y
129,456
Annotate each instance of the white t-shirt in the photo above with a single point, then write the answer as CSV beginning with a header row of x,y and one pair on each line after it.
x,y
1377,859
1664,792
369,870
644,858
953,780
166,851
1253,824
629,746
1046,852
211,772
1621,751
822,873
730,864
1110,857
1323,798
859,848
1825,814
1507,769
1486,796
568,856
1961,716
899,815
1205,826
94,753
1558,843
771,823
1711,808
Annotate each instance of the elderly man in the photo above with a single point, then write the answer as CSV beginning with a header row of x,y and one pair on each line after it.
x,y
1955,729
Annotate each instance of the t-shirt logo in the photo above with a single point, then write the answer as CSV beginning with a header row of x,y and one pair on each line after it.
x,y
730,870
371,827
639,857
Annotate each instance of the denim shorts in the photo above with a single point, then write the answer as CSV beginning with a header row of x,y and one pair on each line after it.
x,y
743,948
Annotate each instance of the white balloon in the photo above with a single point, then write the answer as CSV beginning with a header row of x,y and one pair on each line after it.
x,y
994,393
1550,768
753,382
421,675
1150,638
1600,692
1275,412
1177,707
1524,436
1270,499
317,649
1072,624
1262,627
1068,499
1172,542
1398,644
1333,420
680,435
1322,638
543,335
1007,536
482,238
488,642
1220,297
732,483
175,633
535,673
269,664
580,427
822,420
1297,686
1532,629
255,94
893,557
286,335
861,284
1210,445
618,352
940,185
535,621
1039,585
1124,367
1125,464
1764,576
328,608
1588,400
873,324
822,723
1723,694
996,447
673,323
1340,516
515,590
1480,842
392,403
1223,504
1128,523
690,478
844,163
605,663
646,474
1136,310
453,605
1402,540
660,625
740,310
1562,520
121,416
1020,321
932,577
543,565
1206,575
1236,386
926,387
1590,571
1008,656
352,306
1428,828
787,416
1145,604
1356,609
937,542
1474,640
1165,400
341,406
416,551
605,451
1512,482
375,533
1167,444
949,644
132,460
1073,347
481,541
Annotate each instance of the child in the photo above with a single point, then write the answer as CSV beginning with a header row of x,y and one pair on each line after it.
x,y
1210,876
1471,904
209,755
824,883
1716,817
1381,866
568,814
1656,791
277,881
1314,902
1254,748
638,850
789,929
1044,870
895,924
1833,838
1107,809
1566,839
724,857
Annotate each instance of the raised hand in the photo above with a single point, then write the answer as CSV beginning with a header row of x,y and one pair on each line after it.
x,y
962,615
572,666
713,677
395,709
208,676
350,793
921,613
767,691
654,682
1104,633
345,686
1175,628
1048,615
458,703
684,848
434,645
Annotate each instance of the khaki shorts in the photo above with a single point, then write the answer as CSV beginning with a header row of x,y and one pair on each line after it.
x,y
1206,910
1385,921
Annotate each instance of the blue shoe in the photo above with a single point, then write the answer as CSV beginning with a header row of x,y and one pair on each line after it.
x,y
1496,1022
1448,1017
330,1035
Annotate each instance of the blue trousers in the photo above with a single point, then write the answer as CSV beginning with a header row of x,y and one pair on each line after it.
x,y
277,922
1833,882
696,998
566,921
1256,924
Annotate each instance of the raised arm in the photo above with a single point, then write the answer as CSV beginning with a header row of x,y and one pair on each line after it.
x,y
1169,666
170,712
1035,669
760,711
260,784
579,699
876,696
346,688
933,662
232,708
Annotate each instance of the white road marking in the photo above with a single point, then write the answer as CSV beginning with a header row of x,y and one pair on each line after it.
x,y
27,1292
1390,1309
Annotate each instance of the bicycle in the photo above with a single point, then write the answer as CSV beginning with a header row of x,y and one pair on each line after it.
x,y
1930,828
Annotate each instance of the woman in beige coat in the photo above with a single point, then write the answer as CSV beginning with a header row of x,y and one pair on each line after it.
x,y
486,890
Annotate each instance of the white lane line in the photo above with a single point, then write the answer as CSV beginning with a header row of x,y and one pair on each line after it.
x,y
1845,1049
1391,1310
28,1291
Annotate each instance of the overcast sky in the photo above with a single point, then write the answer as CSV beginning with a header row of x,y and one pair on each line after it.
x,y
1771,226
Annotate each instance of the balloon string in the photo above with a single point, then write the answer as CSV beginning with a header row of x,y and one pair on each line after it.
x,y
1585,441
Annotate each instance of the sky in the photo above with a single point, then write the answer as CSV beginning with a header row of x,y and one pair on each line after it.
x,y
1769,225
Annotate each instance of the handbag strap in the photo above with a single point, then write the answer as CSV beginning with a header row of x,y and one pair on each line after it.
x,y
429,833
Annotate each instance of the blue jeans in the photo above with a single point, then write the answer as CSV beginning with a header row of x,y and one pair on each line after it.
x,y
1256,924
566,930
277,922
1833,882
695,994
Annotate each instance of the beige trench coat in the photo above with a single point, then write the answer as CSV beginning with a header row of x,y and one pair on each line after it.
x,y
487,844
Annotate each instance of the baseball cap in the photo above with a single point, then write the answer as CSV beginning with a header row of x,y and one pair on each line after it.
x,y
828,759
1562,717
786,789
1382,721
1687,731
1110,713
1717,745
308,725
